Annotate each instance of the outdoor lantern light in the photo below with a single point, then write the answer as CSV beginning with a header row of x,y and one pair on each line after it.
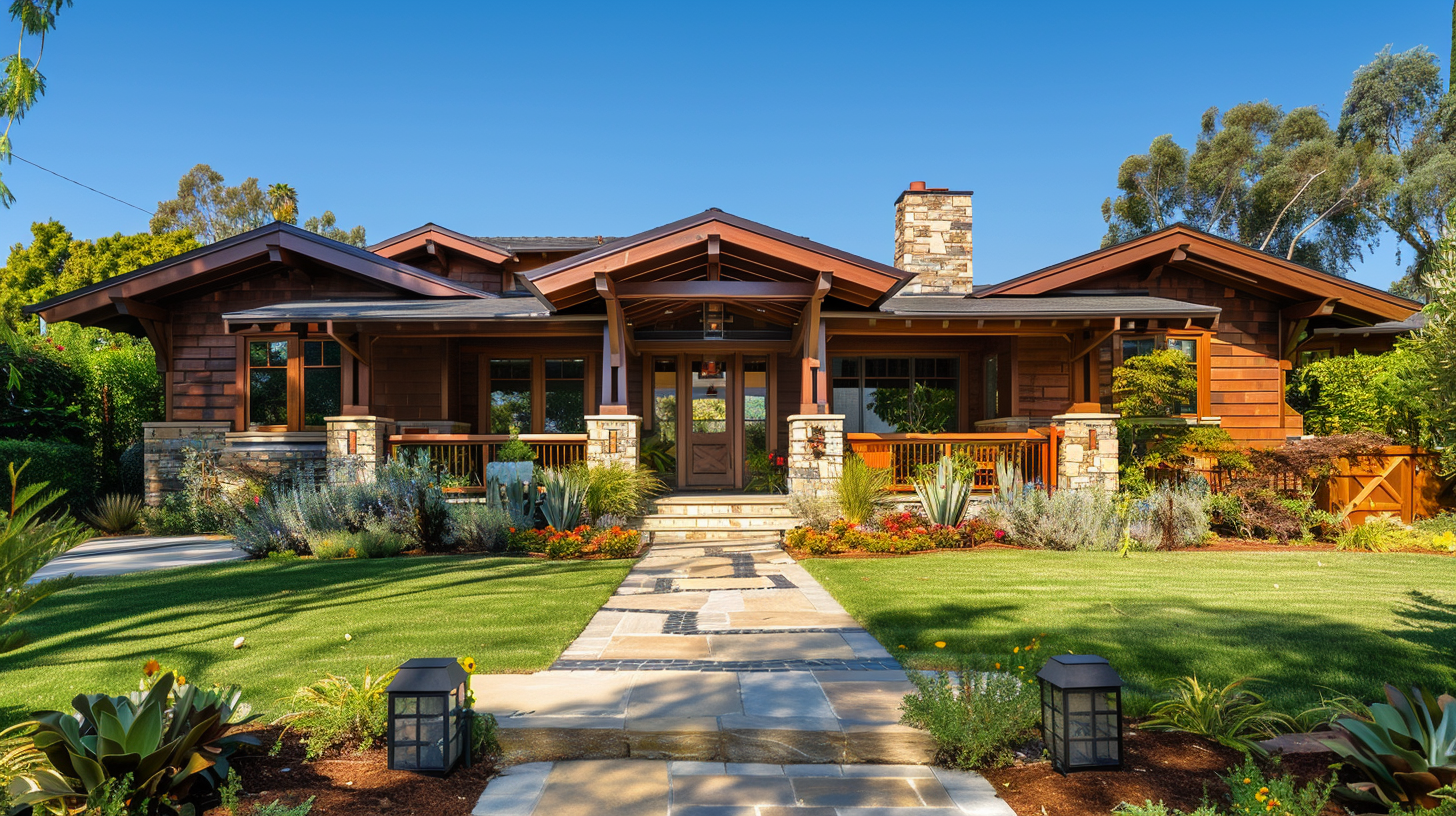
x,y
429,722
1081,713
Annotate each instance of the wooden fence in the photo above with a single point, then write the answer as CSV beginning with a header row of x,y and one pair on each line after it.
x,y
1034,454
464,456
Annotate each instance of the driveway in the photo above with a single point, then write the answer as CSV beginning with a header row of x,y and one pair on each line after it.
x,y
123,554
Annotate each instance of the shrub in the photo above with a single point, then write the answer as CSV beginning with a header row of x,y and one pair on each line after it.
x,y
1406,750
131,469
1250,791
560,544
1172,517
1064,520
62,465
515,450
616,489
861,489
171,519
1233,715
814,510
335,713
115,513
410,476
479,527
977,719
375,541
1151,808
617,542
767,472
1313,460
277,808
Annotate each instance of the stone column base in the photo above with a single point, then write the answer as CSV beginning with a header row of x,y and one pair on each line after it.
x,y
1087,456
613,438
163,444
816,453
356,443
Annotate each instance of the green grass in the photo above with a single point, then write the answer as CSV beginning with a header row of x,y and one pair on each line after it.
x,y
1346,621
511,615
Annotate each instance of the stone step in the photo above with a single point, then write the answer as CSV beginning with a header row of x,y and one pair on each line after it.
x,y
679,535
768,505
660,521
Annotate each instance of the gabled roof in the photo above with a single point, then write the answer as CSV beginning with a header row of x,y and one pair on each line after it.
x,y
420,239
672,251
548,243
1211,256
238,257
397,311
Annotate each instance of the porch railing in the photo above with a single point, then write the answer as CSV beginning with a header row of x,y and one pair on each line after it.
x,y
1033,453
464,456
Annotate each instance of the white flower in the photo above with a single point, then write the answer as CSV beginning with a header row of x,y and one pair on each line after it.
x,y
348,636
238,644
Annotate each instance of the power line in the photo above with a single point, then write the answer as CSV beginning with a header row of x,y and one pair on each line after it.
x,y
79,184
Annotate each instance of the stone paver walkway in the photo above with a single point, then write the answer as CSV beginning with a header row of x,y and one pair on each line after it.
x,y
119,555
719,680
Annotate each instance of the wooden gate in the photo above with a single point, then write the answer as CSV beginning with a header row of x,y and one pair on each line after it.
x,y
1401,481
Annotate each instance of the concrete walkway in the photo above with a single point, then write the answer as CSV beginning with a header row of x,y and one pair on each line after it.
x,y
719,680
120,555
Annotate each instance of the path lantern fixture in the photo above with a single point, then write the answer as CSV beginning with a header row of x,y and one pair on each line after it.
x,y
1081,713
429,719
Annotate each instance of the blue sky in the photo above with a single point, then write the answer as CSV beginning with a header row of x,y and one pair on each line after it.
x,y
586,119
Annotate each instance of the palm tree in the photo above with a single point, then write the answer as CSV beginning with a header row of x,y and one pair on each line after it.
x,y
283,200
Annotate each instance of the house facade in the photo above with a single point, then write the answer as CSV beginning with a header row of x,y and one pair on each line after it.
x,y
707,346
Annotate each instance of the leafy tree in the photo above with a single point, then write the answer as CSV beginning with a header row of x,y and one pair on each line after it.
x,y
1157,384
325,225
211,210
1397,108
283,200
1430,352
923,409
55,263
22,83
1281,182
1360,393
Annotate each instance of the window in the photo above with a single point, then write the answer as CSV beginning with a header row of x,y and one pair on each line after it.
x,y
755,406
565,396
294,384
708,384
510,396
896,394
991,387
268,384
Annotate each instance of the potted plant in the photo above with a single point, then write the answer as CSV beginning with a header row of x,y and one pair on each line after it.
x,y
514,461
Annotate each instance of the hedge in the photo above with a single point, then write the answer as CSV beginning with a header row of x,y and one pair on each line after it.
x,y
61,463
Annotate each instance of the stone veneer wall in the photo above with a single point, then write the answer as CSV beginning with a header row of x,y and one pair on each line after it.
x,y
933,240
1087,456
364,440
270,455
808,472
602,448
163,444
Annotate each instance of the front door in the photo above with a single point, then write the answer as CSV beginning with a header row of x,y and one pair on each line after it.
x,y
711,417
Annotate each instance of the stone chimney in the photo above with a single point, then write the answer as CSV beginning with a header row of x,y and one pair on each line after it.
x,y
933,238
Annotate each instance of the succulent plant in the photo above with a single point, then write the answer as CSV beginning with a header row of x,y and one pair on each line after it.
x,y
1407,749
565,498
515,498
946,496
161,743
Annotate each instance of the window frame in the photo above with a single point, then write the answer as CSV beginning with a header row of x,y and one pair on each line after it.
x,y
538,386
295,379
960,373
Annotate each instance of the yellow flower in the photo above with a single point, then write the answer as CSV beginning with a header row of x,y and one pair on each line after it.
x,y
468,663
1264,789
940,644
181,681
1023,668
998,665
1260,797
1016,650
902,645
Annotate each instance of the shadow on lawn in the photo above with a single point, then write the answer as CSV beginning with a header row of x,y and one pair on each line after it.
x,y
1295,654
256,596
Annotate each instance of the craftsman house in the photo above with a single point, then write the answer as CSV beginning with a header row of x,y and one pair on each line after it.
x,y
708,344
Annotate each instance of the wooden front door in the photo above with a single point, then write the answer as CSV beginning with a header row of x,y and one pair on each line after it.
x,y
710,418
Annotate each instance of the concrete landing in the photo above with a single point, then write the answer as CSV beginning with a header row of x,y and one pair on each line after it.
x,y
120,555
640,788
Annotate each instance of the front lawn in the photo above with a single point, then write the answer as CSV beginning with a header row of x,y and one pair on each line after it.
x,y
1299,620
510,614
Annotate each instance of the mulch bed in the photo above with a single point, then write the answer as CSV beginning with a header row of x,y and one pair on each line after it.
x,y
1174,768
355,783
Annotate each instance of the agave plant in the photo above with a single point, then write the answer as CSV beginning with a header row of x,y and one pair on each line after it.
x,y
515,498
1232,715
1407,750
565,498
946,496
159,744
115,513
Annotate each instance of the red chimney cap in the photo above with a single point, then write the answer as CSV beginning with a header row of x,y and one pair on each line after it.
x,y
917,185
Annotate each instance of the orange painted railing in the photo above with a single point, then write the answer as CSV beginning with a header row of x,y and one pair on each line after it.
x,y
464,456
1034,453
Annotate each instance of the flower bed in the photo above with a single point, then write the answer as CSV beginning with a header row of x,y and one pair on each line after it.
x,y
894,533
583,541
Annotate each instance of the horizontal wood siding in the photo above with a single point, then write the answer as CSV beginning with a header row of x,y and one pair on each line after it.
x,y
407,373
204,356
1044,376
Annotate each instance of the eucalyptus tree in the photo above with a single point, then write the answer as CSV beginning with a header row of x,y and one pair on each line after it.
x,y
1284,183
22,84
